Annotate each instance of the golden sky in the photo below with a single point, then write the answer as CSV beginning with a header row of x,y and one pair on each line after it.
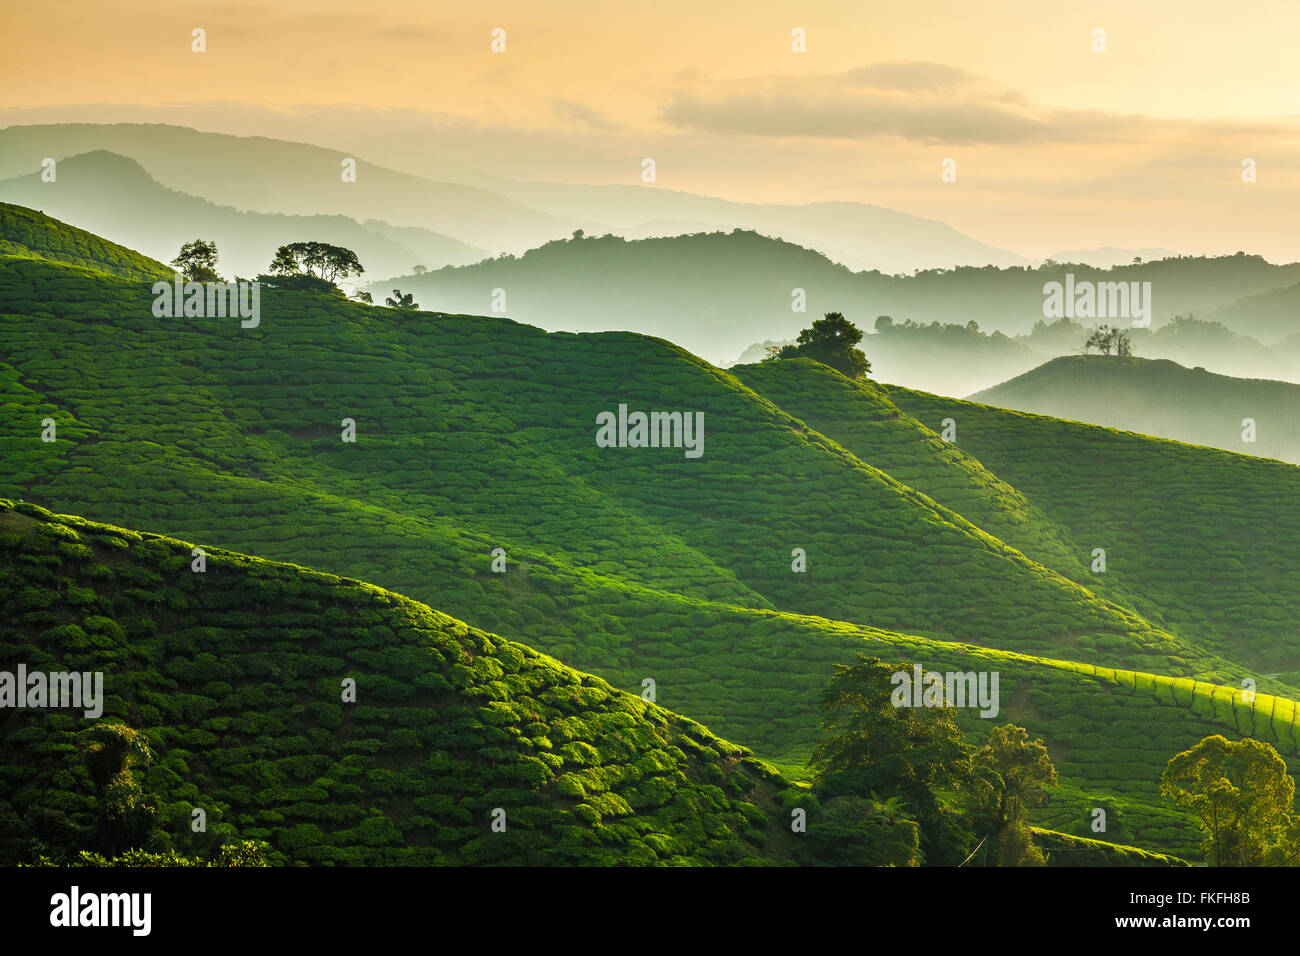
x,y
1056,146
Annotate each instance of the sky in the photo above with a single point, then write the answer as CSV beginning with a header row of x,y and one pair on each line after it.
x,y
1056,143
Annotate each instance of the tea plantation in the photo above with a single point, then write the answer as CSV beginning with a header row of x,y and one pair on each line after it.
x,y
235,676
474,434
1206,541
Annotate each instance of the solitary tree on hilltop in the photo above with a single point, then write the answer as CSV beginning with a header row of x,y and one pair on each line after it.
x,y
831,341
320,259
311,267
1106,339
197,261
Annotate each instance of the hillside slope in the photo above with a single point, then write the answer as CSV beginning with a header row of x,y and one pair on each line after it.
x,y
236,676
448,405
26,232
1207,539
1159,397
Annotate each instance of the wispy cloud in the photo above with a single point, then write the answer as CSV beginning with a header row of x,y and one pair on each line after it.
x,y
924,102
581,114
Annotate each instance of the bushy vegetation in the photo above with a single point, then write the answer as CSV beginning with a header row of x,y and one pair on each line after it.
x,y
231,679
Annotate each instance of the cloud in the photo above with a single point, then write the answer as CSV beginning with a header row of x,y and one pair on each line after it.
x,y
910,75
583,115
928,103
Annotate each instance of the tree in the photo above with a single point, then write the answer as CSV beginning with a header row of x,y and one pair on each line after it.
x,y
365,297
197,261
1102,339
1022,767
831,341
312,267
1107,338
116,757
1123,345
578,234
1242,793
905,751
420,270
399,301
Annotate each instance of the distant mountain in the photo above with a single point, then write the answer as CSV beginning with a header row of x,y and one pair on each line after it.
x,y
718,293
1107,257
858,235
273,176
1269,316
268,175
105,192
1160,397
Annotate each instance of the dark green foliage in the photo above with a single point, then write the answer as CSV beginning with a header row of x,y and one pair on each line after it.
x,y
831,340
1241,792
584,773
197,261
906,751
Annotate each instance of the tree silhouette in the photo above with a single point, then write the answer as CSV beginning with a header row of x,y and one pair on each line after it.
x,y
399,301
1107,338
831,340
197,261
311,267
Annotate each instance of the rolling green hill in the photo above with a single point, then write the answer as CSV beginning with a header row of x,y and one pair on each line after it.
x,y
1159,397
1206,538
477,433
25,232
236,675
